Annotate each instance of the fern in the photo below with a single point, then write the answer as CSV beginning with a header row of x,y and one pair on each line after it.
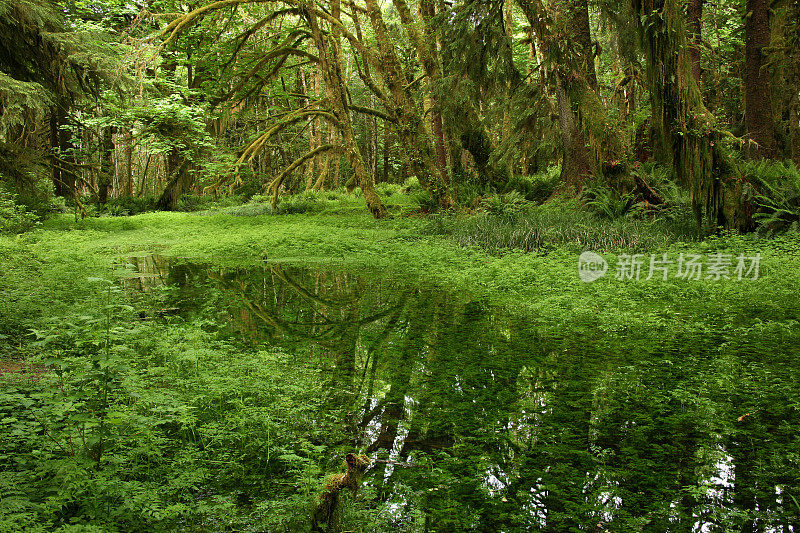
x,y
608,203
778,199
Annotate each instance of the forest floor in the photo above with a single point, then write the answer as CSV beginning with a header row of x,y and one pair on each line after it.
x,y
545,281
712,351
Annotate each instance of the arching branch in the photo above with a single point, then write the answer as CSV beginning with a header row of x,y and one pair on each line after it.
x,y
244,37
373,112
275,186
253,149
282,52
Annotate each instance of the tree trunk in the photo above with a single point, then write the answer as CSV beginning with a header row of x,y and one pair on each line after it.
x,y
784,75
179,180
686,128
427,11
794,121
694,23
576,159
330,65
61,144
105,178
794,81
591,139
757,98
326,162
414,132
128,164
575,163
385,151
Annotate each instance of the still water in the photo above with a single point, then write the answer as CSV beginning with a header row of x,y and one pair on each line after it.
x,y
480,418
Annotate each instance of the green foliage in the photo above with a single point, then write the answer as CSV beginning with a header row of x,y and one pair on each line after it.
x,y
121,441
307,202
539,187
411,185
558,224
388,189
14,218
169,124
504,205
778,196
47,60
199,202
129,205
209,416
20,102
425,201
255,207
607,202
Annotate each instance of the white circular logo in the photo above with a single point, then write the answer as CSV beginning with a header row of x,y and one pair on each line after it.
x,y
591,266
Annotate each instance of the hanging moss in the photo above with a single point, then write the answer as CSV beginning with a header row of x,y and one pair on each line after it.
x,y
592,144
686,129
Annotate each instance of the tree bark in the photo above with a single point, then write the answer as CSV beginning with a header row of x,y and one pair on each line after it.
x,y
414,132
794,120
758,94
694,23
330,65
686,128
61,143
784,75
575,164
385,151
128,163
427,10
591,141
105,178
179,180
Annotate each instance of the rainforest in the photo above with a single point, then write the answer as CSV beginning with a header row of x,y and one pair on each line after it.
x,y
400,266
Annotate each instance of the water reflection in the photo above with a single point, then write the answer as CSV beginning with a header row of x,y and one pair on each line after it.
x,y
482,419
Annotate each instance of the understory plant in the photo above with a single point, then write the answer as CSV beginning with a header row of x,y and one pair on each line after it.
x,y
777,196
14,218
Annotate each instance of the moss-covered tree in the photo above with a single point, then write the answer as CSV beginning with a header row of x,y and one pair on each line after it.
x,y
684,126
592,145
757,87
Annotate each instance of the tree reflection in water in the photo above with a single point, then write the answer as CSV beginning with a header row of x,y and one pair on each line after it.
x,y
482,418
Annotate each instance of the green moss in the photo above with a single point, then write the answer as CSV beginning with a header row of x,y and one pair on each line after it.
x,y
404,246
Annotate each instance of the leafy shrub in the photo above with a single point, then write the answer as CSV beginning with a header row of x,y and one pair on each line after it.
x,y
101,434
562,224
14,218
199,202
250,209
411,185
388,189
113,211
130,205
468,193
607,202
336,195
504,205
777,194
306,202
57,204
425,201
662,180
538,187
